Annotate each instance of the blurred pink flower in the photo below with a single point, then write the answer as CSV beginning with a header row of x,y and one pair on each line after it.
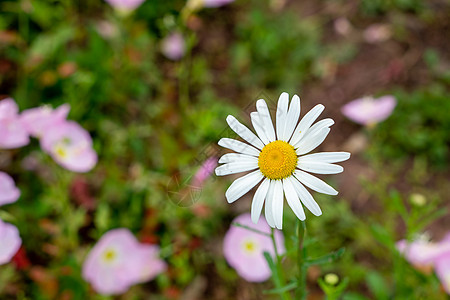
x,y
9,193
243,249
204,172
125,5
368,110
173,46
10,242
12,132
442,268
39,119
216,3
377,33
70,146
119,261
423,254
342,26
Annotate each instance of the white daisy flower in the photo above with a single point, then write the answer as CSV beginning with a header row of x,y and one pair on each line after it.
x,y
277,157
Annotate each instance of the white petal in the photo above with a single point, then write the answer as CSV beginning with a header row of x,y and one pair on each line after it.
x,y
292,117
242,185
277,204
238,146
258,200
292,199
309,143
314,183
265,118
319,126
237,157
268,205
282,111
306,197
326,157
259,128
244,132
319,167
236,167
305,123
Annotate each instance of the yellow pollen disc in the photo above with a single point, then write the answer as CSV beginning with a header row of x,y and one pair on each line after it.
x,y
277,160
109,255
249,247
60,151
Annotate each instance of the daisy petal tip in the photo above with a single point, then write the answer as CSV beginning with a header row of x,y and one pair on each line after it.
x,y
284,95
260,103
229,199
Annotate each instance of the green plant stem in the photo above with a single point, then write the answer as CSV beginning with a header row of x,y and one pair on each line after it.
x,y
280,280
301,258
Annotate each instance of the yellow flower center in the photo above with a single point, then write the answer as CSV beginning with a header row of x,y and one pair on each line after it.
x,y
277,160
109,255
60,151
249,247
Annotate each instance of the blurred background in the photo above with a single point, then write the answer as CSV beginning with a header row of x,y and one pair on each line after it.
x,y
153,84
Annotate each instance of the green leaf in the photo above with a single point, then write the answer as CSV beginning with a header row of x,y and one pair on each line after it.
x,y
45,45
377,285
328,258
286,288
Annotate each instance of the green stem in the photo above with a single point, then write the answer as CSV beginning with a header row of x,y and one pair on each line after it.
x,y
279,279
301,258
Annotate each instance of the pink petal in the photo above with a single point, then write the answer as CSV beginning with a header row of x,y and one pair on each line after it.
x,y
250,265
368,110
442,268
10,242
9,193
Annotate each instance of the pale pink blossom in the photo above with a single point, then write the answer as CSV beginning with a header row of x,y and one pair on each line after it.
x,y
39,119
368,110
119,261
244,249
173,46
377,33
70,146
125,5
342,26
10,242
12,131
424,254
9,193
204,172
216,3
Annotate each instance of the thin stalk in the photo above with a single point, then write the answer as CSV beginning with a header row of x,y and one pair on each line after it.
x,y
301,258
280,280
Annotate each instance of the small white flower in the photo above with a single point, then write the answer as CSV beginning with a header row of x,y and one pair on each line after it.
x,y
277,158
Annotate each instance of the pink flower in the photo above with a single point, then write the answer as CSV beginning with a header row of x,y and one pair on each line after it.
x,y
119,261
39,119
423,254
377,33
243,249
125,5
9,193
442,267
342,26
173,46
216,3
12,132
368,110
10,242
70,146
204,172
